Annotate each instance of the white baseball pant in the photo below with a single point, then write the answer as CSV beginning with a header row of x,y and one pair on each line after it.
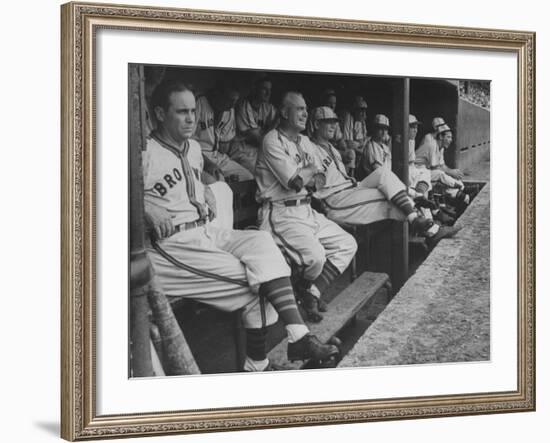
x,y
249,258
369,201
308,237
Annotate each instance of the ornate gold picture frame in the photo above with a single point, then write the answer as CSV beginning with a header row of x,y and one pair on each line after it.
x,y
80,24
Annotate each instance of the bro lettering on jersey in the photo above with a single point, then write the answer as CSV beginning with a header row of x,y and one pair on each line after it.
x,y
172,179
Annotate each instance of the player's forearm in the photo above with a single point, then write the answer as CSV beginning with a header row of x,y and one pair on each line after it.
x,y
302,177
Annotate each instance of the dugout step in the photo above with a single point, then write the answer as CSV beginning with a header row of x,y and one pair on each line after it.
x,y
342,309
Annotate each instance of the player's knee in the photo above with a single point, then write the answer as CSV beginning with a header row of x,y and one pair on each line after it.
x,y
315,261
349,246
257,315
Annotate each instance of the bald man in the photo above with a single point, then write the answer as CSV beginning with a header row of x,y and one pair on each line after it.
x,y
286,172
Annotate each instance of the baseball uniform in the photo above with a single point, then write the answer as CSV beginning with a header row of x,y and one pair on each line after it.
x,y
222,267
347,201
417,173
309,238
211,134
247,116
430,156
377,154
354,130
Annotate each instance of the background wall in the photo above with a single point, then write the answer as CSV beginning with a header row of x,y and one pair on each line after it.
x,y
29,174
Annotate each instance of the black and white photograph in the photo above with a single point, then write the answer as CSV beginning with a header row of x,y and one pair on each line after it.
x,y
289,220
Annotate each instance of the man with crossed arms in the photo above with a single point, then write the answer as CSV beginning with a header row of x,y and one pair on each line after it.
x,y
286,167
225,268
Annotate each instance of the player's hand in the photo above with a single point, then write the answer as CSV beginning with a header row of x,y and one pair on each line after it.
x,y
456,173
348,157
159,220
319,180
210,201
352,144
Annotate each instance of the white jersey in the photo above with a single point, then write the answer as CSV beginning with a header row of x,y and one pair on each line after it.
x,y
376,153
171,179
210,133
333,168
430,155
412,153
248,117
354,130
279,161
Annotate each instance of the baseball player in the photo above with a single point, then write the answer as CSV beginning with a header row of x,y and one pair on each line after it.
x,y
228,269
381,195
329,100
419,175
377,153
255,116
431,156
286,167
215,129
354,126
430,137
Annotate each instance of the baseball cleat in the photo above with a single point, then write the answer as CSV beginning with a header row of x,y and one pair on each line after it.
x,y
309,347
421,224
423,202
309,304
444,218
444,232
322,306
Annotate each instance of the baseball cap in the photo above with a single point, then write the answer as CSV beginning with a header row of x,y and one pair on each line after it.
x,y
324,113
413,120
359,102
437,121
442,128
381,120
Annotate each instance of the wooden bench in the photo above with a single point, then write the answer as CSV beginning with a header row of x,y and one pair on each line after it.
x,y
341,310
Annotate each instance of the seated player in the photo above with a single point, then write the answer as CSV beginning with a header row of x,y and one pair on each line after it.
x,y
192,258
354,129
419,175
330,100
431,156
216,130
255,116
381,195
319,247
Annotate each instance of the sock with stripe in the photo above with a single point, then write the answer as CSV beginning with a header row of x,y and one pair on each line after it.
x,y
280,294
422,187
403,202
327,276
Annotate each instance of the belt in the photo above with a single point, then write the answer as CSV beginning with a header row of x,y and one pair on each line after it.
x,y
190,225
298,202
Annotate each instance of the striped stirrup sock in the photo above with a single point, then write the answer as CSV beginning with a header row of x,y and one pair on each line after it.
x,y
327,276
280,294
422,187
403,202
